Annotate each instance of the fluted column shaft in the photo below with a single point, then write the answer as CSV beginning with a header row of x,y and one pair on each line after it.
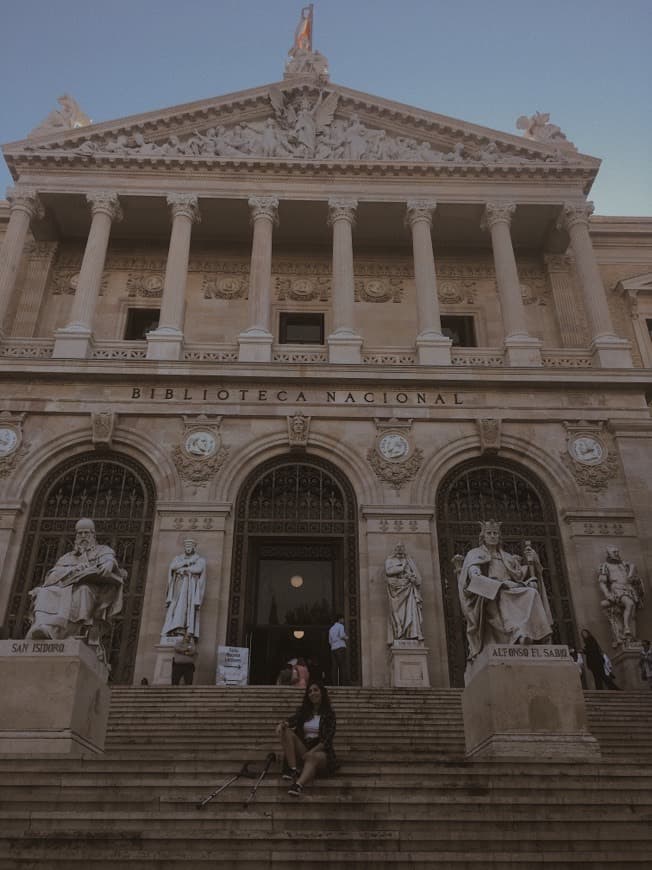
x,y
575,219
264,217
570,330
105,209
25,205
185,212
342,219
498,217
419,219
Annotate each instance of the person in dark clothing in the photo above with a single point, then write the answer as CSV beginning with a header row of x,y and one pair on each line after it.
x,y
307,739
594,658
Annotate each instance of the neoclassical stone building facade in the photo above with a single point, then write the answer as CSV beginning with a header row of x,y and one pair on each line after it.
x,y
299,324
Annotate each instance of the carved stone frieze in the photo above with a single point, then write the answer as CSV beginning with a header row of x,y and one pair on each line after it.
x,y
457,292
303,289
145,284
66,281
13,447
200,453
590,454
225,287
379,289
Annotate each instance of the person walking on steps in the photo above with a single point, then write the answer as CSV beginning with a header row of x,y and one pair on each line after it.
x,y
307,740
594,658
337,639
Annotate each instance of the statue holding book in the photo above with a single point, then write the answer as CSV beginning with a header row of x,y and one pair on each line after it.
x,y
503,596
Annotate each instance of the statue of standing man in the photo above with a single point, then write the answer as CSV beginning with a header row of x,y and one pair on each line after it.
x,y
623,595
404,595
185,592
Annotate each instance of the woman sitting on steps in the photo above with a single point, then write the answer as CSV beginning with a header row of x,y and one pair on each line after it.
x,y
307,739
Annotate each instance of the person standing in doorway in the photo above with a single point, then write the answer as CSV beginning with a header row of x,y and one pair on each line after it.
x,y
337,639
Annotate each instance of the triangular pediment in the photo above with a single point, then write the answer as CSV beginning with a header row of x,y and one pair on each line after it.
x,y
299,122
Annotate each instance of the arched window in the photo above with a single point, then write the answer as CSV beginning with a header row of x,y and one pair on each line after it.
x,y
481,490
118,495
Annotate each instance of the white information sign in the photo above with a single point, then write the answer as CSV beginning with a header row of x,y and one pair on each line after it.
x,y
232,666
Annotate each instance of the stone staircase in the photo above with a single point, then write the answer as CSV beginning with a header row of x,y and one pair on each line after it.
x,y
404,797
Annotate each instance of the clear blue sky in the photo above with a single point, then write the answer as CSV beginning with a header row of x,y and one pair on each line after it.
x,y
587,62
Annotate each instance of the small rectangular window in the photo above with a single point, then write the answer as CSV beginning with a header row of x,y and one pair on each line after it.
x,y
460,328
140,321
301,328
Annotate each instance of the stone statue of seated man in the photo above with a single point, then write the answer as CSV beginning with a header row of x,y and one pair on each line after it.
x,y
503,600
80,594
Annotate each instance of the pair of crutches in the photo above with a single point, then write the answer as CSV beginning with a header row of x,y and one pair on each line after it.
x,y
246,773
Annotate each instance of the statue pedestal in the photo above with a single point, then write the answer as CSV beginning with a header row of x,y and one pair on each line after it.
x,y
163,667
408,665
526,702
627,670
55,698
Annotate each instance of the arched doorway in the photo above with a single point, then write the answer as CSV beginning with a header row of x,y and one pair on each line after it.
x,y
118,495
295,565
480,490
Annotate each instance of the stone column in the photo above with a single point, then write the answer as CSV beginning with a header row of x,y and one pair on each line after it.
x,y
570,328
344,343
25,205
521,349
166,342
41,257
76,339
609,351
256,341
433,348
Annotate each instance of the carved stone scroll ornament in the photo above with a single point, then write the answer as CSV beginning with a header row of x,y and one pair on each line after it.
x,y
298,430
201,453
590,455
66,281
305,289
225,287
13,447
379,289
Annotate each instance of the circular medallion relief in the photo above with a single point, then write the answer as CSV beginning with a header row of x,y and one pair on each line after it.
x,y
587,450
393,446
200,444
8,440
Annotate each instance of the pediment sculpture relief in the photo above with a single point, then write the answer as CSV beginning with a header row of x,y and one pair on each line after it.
x,y
68,117
304,126
538,129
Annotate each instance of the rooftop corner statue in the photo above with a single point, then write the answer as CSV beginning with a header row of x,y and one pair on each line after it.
x,y
503,601
80,594
404,595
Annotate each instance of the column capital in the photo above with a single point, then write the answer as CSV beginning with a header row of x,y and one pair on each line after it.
x,y
342,208
264,207
25,198
184,205
574,213
105,202
419,210
497,212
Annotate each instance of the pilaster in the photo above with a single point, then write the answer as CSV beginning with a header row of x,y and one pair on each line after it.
x,y
41,257
570,329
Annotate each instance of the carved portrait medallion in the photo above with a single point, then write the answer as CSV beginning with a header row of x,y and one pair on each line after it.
x,y
587,450
200,444
393,446
9,440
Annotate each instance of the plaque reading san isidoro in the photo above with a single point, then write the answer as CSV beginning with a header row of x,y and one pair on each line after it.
x,y
238,395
